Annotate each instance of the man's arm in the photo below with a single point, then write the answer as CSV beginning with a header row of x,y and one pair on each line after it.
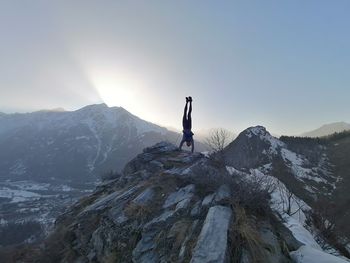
x,y
181,143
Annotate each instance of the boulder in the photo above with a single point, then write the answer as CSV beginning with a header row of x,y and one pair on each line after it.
x,y
212,241
181,194
224,192
145,197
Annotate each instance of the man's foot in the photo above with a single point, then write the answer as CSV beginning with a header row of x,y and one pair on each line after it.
x,y
187,99
190,98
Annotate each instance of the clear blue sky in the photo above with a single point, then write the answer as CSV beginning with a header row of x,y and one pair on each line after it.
x,y
281,64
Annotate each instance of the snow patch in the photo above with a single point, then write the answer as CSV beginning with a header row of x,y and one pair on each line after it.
x,y
295,162
307,254
17,196
265,136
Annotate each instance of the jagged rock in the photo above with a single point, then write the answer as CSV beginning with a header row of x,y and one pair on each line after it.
x,y
273,251
196,209
224,192
181,194
153,215
162,218
148,257
145,197
105,201
102,202
208,199
186,158
121,218
184,248
161,147
212,241
287,236
183,204
146,244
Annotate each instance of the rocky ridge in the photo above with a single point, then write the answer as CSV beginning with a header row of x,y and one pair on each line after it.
x,y
306,170
168,206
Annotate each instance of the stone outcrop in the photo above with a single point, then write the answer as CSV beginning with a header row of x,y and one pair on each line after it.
x,y
212,241
165,207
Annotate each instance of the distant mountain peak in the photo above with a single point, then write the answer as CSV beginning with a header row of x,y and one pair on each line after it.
x,y
257,131
59,109
328,129
95,107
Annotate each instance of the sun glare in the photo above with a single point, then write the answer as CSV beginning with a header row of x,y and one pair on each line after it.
x,y
117,89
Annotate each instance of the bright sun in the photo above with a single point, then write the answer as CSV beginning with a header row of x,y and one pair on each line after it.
x,y
117,89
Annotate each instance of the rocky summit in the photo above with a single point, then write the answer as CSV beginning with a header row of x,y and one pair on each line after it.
x,y
168,206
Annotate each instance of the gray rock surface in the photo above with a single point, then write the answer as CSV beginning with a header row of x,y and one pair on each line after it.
x,y
224,192
162,218
208,199
196,209
145,197
152,216
143,250
161,147
212,241
183,204
273,250
183,193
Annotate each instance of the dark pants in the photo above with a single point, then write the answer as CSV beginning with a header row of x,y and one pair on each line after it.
x,y
187,120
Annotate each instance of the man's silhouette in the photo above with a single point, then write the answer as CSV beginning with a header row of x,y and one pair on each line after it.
x,y
187,126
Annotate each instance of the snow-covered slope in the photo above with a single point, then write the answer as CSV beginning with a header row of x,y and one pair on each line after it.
x,y
298,172
309,172
72,145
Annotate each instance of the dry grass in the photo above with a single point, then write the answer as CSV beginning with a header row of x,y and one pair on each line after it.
x,y
244,235
137,211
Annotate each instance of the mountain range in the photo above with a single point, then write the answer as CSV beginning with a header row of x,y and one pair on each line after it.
x,y
160,204
263,199
73,146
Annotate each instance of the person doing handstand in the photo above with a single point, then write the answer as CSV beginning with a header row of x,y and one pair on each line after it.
x,y
187,126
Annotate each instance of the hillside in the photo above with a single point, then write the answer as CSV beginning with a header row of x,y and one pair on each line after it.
x,y
313,169
51,158
73,146
173,206
327,129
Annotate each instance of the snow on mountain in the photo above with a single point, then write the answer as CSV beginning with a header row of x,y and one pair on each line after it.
x,y
255,147
297,172
73,145
328,129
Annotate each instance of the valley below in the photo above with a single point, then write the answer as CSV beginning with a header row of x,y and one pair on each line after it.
x,y
30,208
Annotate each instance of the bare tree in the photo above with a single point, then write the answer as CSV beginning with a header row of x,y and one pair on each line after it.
x,y
289,203
218,139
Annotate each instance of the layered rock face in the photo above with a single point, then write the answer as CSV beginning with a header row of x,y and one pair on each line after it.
x,y
168,206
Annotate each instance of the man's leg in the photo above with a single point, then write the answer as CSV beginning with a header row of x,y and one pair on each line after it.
x,y
184,119
189,118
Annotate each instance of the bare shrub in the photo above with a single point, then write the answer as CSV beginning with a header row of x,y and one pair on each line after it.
x,y
288,200
218,139
331,230
251,196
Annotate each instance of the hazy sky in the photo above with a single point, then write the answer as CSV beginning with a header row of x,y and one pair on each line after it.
x,y
281,64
